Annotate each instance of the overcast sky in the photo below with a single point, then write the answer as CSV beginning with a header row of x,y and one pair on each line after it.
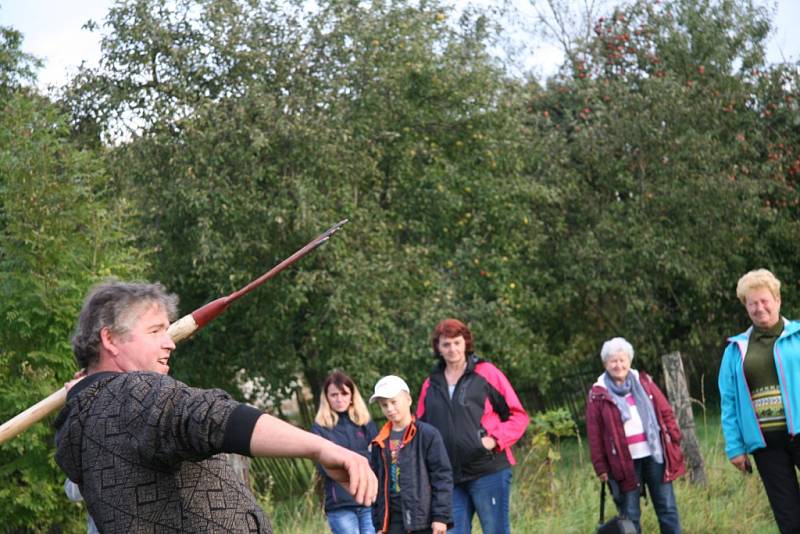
x,y
52,31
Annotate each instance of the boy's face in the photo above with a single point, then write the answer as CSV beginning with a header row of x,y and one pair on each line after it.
x,y
397,409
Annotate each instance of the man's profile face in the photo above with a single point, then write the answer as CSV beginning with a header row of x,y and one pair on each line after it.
x,y
147,346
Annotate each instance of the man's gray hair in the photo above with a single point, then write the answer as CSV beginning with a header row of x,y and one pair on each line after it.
x,y
615,345
115,305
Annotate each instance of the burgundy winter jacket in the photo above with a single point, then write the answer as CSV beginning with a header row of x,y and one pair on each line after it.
x,y
608,446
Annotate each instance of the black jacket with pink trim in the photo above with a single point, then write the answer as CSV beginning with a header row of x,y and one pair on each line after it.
x,y
484,404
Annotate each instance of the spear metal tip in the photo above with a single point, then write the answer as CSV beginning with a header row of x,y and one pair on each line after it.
x,y
335,228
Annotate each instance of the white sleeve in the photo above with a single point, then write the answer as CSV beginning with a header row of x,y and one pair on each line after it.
x,y
72,490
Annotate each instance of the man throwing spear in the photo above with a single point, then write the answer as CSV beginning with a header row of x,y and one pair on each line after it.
x,y
144,448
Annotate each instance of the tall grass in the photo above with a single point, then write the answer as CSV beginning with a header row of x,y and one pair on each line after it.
x,y
730,502
562,495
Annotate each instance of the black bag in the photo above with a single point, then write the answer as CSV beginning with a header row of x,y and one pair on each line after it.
x,y
618,525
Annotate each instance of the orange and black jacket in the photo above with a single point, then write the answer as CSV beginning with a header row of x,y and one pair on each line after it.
x,y
426,479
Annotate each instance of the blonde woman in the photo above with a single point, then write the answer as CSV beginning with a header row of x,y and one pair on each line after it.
x,y
343,418
759,384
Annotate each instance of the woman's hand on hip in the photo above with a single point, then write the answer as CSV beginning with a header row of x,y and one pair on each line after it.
x,y
489,443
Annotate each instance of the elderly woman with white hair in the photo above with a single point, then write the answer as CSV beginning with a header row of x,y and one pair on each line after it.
x,y
759,385
633,437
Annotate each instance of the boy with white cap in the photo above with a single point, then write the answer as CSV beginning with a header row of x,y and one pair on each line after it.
x,y
415,480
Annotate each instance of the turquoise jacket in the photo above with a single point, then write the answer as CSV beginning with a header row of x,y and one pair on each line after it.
x,y
739,423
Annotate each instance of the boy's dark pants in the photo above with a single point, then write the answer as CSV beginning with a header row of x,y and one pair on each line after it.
x,y
396,523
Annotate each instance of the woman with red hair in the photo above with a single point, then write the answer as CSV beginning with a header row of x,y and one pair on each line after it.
x,y
478,413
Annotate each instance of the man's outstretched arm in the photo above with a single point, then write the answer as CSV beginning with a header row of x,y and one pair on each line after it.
x,y
276,438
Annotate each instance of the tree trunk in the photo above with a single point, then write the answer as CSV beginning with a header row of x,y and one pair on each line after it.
x,y
678,393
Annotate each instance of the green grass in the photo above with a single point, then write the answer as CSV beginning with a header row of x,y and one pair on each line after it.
x,y
566,498
730,502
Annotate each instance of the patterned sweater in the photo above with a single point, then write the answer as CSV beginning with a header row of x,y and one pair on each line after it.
x,y
144,450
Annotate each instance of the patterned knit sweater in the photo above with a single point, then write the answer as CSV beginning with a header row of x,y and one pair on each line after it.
x,y
144,449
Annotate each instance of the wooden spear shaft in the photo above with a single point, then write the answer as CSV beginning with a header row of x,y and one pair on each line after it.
x,y
178,330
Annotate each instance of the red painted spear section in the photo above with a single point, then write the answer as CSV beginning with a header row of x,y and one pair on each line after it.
x,y
207,313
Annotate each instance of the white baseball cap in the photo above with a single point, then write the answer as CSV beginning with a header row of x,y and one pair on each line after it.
x,y
388,387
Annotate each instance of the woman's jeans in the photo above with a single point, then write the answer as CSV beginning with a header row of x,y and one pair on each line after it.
x,y
651,473
356,520
490,496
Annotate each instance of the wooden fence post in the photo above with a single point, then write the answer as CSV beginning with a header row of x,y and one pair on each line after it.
x,y
241,466
678,393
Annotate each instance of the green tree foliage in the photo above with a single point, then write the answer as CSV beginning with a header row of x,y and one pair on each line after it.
x,y
61,229
15,65
624,197
379,112
670,143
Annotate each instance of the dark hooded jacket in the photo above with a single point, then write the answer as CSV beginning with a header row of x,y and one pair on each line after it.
x,y
350,436
426,479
